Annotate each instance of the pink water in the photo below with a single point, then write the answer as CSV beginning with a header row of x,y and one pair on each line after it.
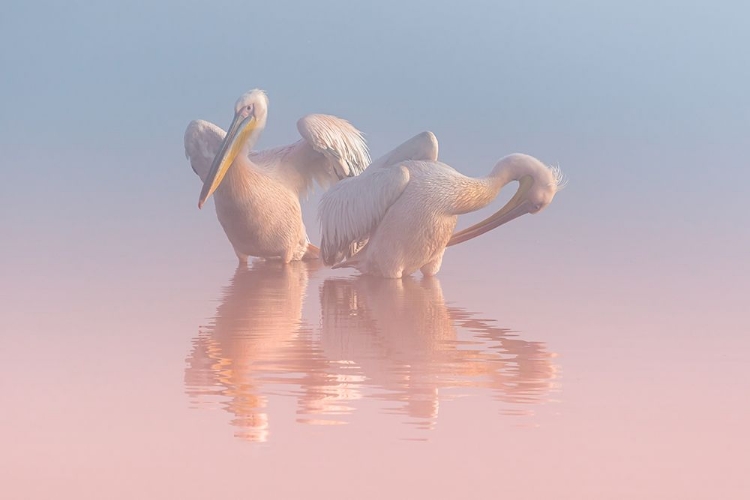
x,y
541,362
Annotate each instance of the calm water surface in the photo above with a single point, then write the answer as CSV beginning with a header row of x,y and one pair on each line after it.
x,y
394,342
160,377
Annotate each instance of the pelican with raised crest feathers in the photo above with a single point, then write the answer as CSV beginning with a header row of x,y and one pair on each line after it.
x,y
257,193
399,215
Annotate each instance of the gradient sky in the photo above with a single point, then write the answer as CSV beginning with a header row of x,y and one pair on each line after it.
x,y
636,275
643,104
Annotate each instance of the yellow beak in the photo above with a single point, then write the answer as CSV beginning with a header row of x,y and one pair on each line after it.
x,y
516,207
237,135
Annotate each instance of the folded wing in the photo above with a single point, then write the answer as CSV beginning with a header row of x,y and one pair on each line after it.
x,y
353,208
202,142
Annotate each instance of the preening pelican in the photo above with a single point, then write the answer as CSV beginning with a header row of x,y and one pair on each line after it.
x,y
258,192
399,215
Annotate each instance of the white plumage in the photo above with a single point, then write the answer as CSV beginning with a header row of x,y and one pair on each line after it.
x,y
257,192
202,142
350,212
400,214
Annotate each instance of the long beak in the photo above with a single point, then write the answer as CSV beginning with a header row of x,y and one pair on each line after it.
x,y
230,148
516,207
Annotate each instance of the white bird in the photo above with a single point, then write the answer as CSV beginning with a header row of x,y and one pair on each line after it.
x,y
399,215
258,192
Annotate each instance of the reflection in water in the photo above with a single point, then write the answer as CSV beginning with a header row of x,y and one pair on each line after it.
x,y
252,336
411,345
394,341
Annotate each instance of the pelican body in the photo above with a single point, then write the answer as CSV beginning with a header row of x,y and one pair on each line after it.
x,y
399,216
257,193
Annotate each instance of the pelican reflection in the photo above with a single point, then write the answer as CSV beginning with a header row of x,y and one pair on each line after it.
x,y
414,350
393,341
253,335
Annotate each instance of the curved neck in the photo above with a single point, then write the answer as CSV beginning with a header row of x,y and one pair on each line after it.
x,y
507,170
517,167
512,168
481,192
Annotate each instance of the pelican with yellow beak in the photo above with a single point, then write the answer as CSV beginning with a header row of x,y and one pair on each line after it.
x,y
257,193
399,215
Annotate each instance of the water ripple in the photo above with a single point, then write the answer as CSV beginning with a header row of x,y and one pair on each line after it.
x,y
396,342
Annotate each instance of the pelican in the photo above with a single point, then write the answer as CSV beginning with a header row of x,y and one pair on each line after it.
x,y
400,214
258,192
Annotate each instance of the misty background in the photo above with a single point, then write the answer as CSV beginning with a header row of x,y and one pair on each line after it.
x,y
644,105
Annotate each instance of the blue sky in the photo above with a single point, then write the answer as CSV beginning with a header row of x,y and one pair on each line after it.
x,y
643,104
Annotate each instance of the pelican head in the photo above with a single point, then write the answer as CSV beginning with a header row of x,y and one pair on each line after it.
x,y
537,185
250,113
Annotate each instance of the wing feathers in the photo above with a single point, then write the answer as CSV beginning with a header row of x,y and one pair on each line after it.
x,y
421,147
202,142
336,138
351,209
